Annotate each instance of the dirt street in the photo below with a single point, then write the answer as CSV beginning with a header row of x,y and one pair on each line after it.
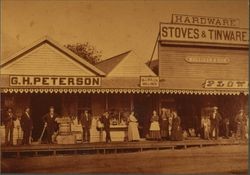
x,y
216,159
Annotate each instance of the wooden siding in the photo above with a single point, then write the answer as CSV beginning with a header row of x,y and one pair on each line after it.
x,y
46,60
172,63
131,66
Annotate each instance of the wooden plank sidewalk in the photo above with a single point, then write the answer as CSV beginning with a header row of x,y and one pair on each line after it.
x,y
104,148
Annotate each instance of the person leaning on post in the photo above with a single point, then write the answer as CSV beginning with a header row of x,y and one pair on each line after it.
x,y
26,125
8,121
50,124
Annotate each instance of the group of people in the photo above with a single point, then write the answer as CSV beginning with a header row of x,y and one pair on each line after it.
x,y
26,123
167,126
211,125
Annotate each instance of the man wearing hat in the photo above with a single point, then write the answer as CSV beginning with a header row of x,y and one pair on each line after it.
x,y
86,121
215,121
26,125
105,119
50,124
8,121
240,121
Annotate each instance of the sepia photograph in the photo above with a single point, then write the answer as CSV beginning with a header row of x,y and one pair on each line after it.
x,y
124,87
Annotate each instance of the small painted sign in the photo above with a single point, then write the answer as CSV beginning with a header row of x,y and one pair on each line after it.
x,y
207,59
149,81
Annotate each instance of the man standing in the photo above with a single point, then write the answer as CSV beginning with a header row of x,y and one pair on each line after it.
x,y
86,121
215,121
9,126
106,123
27,126
240,121
50,124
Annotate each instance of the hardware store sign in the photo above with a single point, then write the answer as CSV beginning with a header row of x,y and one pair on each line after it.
x,y
196,29
31,81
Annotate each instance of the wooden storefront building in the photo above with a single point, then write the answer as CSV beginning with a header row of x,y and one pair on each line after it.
x,y
192,74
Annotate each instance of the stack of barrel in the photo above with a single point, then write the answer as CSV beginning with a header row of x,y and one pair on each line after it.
x,y
65,135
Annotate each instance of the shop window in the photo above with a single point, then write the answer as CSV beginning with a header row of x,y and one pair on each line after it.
x,y
119,107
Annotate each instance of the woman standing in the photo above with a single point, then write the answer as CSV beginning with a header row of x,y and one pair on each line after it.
x,y
176,128
154,130
133,132
206,127
164,124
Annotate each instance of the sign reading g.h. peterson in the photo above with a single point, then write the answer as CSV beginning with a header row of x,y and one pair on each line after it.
x,y
203,34
65,81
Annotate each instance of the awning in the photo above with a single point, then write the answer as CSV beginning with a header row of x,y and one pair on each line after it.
x,y
122,90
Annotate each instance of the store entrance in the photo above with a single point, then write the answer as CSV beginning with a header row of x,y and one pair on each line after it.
x,y
40,104
143,107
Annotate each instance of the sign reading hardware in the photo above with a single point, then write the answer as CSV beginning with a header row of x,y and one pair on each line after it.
x,y
226,84
205,21
207,59
203,34
54,81
149,81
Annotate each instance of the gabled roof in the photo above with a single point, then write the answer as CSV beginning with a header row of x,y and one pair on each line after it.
x,y
64,50
109,64
127,64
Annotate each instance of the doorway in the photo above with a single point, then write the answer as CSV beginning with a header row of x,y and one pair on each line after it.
x,y
144,104
40,104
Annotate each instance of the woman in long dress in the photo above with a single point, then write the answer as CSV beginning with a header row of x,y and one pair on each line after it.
x,y
164,124
176,128
133,132
206,127
154,130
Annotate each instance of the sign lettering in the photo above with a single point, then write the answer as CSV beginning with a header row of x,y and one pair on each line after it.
x,y
226,84
205,21
54,81
203,34
207,59
149,81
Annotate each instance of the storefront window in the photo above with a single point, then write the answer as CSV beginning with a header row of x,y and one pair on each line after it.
x,y
119,106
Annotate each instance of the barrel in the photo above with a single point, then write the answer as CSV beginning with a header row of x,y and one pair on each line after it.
x,y
64,129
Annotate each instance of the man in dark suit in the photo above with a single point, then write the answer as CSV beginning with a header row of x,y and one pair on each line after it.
x,y
50,124
27,126
106,123
215,119
8,121
86,121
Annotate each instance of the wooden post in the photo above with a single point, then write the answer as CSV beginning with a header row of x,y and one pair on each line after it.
x,y
131,102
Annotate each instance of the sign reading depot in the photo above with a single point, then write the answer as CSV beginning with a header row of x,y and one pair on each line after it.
x,y
204,30
30,81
